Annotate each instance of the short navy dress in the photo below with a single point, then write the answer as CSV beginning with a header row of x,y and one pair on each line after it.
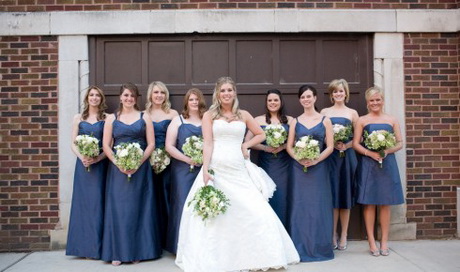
x,y
379,186
310,203
181,181
342,172
278,168
131,231
87,213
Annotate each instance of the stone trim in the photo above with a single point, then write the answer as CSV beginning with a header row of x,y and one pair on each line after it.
x,y
229,21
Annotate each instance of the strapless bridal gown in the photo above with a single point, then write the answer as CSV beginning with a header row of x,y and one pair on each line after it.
x,y
249,236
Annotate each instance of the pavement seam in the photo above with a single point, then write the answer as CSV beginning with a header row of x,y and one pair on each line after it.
x,y
17,261
415,264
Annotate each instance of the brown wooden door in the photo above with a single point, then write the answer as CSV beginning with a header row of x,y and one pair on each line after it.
x,y
257,62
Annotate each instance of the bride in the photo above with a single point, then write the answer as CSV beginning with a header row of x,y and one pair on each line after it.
x,y
249,236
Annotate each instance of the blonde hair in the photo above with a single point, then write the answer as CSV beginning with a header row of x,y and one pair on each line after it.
x,y
372,91
201,103
166,105
215,108
334,85
101,108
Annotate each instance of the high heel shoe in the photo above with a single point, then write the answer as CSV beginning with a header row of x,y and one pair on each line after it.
x,y
116,263
385,252
340,247
375,253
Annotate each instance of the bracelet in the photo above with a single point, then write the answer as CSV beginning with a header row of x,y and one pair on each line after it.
x,y
365,153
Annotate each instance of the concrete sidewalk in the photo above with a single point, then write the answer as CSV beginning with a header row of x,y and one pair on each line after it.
x,y
407,256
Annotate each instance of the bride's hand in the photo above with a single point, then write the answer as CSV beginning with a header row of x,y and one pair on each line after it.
x,y
207,177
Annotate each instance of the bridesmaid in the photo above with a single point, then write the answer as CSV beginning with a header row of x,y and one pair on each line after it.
x,y
341,169
86,216
158,107
131,233
183,126
277,167
310,208
378,186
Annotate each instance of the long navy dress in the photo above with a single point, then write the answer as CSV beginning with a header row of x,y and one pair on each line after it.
x,y
379,186
310,207
87,214
181,182
278,168
131,231
162,180
342,172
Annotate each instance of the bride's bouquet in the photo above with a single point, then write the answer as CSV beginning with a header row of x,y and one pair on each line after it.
x,y
341,134
159,160
378,141
128,156
193,148
306,148
208,202
88,146
276,135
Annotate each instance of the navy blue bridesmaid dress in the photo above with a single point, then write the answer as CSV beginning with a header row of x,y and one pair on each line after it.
x,y
87,213
342,172
278,168
310,204
162,180
131,231
181,181
379,186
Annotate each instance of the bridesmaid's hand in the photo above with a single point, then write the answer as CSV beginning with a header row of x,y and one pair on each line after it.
x,y
87,161
375,155
340,146
308,163
279,149
244,149
128,172
269,149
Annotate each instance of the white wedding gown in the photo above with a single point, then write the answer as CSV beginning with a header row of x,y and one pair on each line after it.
x,y
249,236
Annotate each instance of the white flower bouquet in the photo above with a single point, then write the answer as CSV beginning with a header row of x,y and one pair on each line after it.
x,y
88,146
159,160
208,202
193,148
378,141
276,135
306,148
128,156
341,134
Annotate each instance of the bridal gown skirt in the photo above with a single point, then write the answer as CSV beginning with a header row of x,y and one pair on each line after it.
x,y
249,236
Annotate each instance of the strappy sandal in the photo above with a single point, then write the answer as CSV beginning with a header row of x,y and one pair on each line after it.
x,y
375,253
385,252
116,263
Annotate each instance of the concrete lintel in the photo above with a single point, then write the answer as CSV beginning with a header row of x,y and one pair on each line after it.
x,y
228,21
428,20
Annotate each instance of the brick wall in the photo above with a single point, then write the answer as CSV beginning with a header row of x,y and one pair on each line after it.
x,y
432,111
28,142
91,5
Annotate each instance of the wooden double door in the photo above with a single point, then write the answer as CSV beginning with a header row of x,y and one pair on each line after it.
x,y
257,63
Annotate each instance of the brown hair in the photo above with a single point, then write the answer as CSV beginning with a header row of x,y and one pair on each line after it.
x,y
101,108
201,103
134,91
